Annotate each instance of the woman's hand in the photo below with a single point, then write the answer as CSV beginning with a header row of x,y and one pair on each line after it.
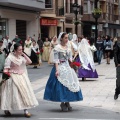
x,y
23,53
56,73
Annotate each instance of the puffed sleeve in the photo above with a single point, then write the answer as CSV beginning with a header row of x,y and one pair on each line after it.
x,y
7,63
56,56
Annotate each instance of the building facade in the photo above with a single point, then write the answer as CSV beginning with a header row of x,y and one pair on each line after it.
x,y
58,17
108,23
20,17
52,19
70,17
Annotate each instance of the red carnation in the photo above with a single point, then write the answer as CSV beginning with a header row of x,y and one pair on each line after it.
x,y
7,73
41,50
37,53
75,64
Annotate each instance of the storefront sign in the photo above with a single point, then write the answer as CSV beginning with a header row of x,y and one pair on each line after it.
x,y
51,22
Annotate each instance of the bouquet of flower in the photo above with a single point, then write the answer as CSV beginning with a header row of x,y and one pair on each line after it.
x,y
5,76
37,53
75,64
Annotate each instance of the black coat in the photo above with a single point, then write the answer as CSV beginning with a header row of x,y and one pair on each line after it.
x,y
117,53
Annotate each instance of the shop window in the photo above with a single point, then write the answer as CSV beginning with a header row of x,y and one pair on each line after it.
x,y
3,28
48,3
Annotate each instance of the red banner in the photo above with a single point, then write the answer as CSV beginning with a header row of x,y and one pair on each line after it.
x,y
51,22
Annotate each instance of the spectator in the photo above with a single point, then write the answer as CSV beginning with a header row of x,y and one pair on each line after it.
x,y
100,47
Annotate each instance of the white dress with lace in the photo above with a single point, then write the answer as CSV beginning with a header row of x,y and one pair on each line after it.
x,y
67,75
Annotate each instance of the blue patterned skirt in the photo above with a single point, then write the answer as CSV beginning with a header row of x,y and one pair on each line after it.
x,y
56,92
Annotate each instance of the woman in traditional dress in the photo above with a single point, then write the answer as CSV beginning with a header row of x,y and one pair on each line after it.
x,y
3,54
52,46
16,92
63,85
28,46
35,55
46,47
87,69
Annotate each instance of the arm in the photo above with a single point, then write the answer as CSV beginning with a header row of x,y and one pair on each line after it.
x,y
76,53
28,61
7,65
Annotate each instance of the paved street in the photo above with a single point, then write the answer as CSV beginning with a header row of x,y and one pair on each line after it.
x,y
98,95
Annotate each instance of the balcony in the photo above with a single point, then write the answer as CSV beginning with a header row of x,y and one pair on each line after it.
x,y
116,2
33,5
116,17
89,17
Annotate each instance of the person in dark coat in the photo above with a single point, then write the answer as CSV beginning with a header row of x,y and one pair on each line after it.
x,y
40,44
117,64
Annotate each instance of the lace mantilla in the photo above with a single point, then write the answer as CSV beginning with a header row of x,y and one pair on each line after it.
x,y
68,77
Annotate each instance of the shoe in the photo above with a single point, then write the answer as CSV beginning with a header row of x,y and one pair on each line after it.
x,y
63,107
68,105
115,97
7,113
27,115
83,79
35,67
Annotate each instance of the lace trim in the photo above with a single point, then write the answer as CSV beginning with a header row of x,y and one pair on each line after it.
x,y
68,78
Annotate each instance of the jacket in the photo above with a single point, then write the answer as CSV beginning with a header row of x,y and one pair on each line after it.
x,y
99,45
117,53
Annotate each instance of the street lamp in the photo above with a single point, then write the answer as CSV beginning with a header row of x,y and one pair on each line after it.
x,y
96,14
76,10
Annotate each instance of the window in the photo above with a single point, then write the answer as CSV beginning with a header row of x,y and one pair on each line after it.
x,y
3,28
92,6
48,4
85,8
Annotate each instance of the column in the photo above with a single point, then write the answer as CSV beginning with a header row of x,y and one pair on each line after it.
x,y
12,28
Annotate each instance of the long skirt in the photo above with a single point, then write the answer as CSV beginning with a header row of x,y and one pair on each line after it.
x,y
2,61
35,58
51,57
17,93
45,55
57,92
84,73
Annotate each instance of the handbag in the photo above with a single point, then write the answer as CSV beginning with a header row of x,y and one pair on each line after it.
x,y
93,48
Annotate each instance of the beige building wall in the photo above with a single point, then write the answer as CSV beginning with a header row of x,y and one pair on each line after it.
x,y
12,16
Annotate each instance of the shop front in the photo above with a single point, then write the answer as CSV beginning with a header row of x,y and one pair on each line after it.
x,y
48,27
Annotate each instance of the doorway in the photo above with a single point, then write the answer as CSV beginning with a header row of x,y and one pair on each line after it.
x,y
21,29
44,32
